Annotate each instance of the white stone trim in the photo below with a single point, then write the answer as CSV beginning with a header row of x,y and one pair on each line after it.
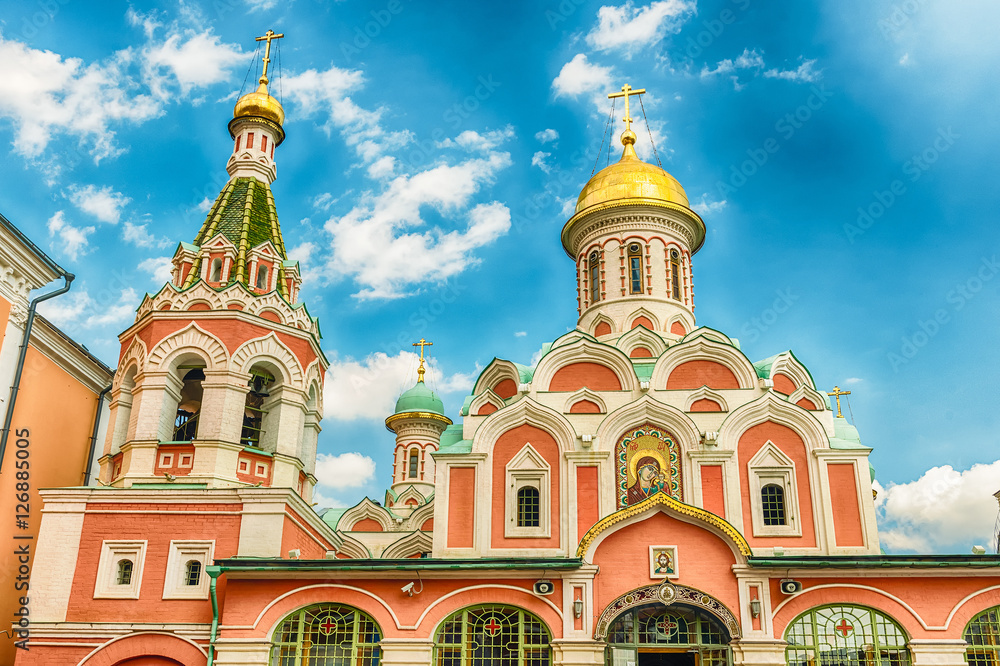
x,y
494,373
642,337
175,581
585,350
705,393
527,469
771,466
585,394
269,348
193,339
112,552
410,544
702,348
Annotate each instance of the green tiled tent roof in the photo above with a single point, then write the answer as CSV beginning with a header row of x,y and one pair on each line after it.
x,y
244,213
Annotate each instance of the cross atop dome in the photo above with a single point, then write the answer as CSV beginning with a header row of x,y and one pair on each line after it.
x,y
628,136
268,36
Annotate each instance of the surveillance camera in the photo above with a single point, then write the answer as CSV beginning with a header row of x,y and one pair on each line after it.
x,y
408,588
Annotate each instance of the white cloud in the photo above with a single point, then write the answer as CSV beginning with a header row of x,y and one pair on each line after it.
x,y
628,27
853,380
105,204
474,141
905,60
580,76
705,207
382,243
547,136
343,471
72,241
325,93
189,60
804,73
368,389
79,310
942,510
159,268
520,334
139,235
751,62
538,160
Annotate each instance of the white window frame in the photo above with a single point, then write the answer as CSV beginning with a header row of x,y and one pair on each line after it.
x,y
528,469
181,552
771,466
112,552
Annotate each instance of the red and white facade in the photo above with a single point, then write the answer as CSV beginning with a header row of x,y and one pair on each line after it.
x,y
645,494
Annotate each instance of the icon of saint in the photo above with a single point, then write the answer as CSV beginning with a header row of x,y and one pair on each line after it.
x,y
649,480
664,564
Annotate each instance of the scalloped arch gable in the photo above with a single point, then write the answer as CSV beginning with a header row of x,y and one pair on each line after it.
x,y
813,396
412,544
421,515
191,338
494,373
647,409
362,510
584,394
769,407
788,365
487,397
704,349
705,393
642,312
641,337
662,503
353,548
586,351
525,411
271,348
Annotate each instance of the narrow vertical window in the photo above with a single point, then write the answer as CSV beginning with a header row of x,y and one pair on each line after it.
x,y
192,573
595,278
238,144
414,463
675,275
249,140
262,277
772,502
216,273
635,268
263,143
189,405
272,151
124,574
528,507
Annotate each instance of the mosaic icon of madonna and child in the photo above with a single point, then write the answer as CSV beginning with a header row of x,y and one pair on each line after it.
x,y
648,463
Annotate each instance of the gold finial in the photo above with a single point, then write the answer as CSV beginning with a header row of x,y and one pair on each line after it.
x,y
420,371
268,36
628,136
837,392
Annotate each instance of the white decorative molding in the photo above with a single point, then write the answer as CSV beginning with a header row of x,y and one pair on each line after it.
x,y
641,337
786,363
421,515
353,548
527,469
641,312
770,466
705,393
487,397
494,373
269,348
648,410
809,394
585,394
192,339
362,510
585,351
703,348
770,407
414,543
525,411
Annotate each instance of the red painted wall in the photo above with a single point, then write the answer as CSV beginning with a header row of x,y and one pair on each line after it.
x,y
587,492
576,376
844,505
506,388
585,407
695,374
705,405
603,328
643,321
677,328
783,384
461,507
713,496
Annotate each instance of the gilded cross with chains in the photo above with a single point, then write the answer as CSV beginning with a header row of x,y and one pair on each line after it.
x,y
420,371
837,392
268,36
627,92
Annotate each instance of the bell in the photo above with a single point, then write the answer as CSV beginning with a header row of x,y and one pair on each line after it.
x,y
257,387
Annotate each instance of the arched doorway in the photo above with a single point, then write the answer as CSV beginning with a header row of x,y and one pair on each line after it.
x,y
675,635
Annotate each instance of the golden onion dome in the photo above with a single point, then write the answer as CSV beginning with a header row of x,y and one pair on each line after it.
x,y
630,178
259,104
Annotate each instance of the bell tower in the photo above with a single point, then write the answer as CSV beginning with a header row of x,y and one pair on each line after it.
x,y
220,379
632,236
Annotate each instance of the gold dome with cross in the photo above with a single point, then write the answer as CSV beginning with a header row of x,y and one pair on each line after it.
x,y
260,103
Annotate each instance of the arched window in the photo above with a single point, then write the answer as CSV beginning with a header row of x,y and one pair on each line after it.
x,y
414,463
254,410
189,405
847,636
635,268
500,635
327,635
675,629
215,275
528,507
983,636
675,275
772,503
262,277
123,575
595,277
192,573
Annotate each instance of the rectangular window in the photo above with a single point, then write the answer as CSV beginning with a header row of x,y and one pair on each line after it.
x,y
119,570
675,280
249,140
185,575
635,274
263,143
237,144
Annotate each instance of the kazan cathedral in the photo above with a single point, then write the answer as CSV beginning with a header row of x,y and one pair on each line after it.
x,y
645,494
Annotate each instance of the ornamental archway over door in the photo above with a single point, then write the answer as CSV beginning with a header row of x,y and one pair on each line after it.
x,y
667,625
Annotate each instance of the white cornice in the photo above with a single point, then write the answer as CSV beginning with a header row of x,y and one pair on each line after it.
x,y
80,364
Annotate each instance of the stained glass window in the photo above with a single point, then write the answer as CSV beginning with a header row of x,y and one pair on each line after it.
x,y
686,629
845,636
983,637
772,502
327,635
492,636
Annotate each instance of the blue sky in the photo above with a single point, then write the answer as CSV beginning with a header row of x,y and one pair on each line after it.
x,y
841,153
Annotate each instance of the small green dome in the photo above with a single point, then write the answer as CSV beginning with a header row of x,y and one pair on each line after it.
x,y
420,399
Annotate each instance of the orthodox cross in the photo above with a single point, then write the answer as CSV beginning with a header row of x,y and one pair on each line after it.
x,y
420,371
668,625
837,392
843,627
327,626
492,628
268,36
627,92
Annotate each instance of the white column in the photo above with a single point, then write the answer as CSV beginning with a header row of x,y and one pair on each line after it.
x,y
55,560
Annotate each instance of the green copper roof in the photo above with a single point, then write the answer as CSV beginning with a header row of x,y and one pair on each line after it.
x,y
452,442
244,213
332,516
644,369
845,436
420,399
